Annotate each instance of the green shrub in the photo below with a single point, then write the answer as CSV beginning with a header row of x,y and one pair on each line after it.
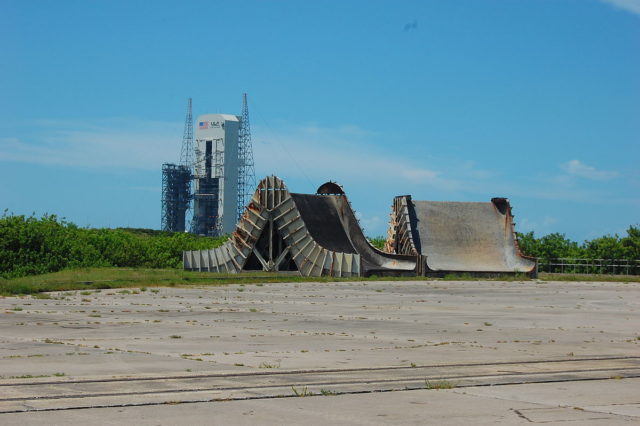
x,y
378,242
555,246
609,247
31,245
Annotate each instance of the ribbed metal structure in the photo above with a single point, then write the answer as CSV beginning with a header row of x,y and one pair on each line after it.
x,y
311,234
453,237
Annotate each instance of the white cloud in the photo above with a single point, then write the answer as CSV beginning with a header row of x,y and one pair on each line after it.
x,y
549,220
308,155
115,143
541,226
579,169
341,154
632,6
419,174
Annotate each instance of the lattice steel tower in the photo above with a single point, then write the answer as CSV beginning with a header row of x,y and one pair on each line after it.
x,y
176,196
186,157
246,170
176,183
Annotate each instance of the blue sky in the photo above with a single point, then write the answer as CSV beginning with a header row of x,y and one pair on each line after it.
x,y
461,100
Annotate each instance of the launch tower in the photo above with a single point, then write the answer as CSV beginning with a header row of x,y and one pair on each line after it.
x,y
216,174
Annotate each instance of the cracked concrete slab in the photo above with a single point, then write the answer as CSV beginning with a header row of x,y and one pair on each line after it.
x,y
241,329
409,407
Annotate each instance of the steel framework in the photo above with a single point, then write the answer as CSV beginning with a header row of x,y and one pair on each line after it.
x,y
206,217
176,195
176,182
186,153
206,197
186,156
246,170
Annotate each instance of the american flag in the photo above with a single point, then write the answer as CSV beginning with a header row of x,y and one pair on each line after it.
x,y
203,125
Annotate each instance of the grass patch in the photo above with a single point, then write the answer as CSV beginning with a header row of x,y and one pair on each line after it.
x,y
543,276
438,384
486,277
589,277
86,279
44,296
28,376
304,391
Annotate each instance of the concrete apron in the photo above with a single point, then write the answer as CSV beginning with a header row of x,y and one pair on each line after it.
x,y
108,391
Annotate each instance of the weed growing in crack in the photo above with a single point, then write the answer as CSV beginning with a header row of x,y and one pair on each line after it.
x,y
438,384
304,391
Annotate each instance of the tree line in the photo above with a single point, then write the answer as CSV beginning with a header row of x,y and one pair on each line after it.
x,y
32,245
556,246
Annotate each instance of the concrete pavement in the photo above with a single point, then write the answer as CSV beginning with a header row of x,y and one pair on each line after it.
x,y
407,332
608,402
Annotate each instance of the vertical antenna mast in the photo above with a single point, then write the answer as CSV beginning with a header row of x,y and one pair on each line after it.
x,y
246,171
187,159
186,155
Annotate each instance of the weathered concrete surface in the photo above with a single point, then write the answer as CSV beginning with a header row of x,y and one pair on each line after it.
x,y
457,236
463,236
311,326
610,402
63,393
308,325
333,224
